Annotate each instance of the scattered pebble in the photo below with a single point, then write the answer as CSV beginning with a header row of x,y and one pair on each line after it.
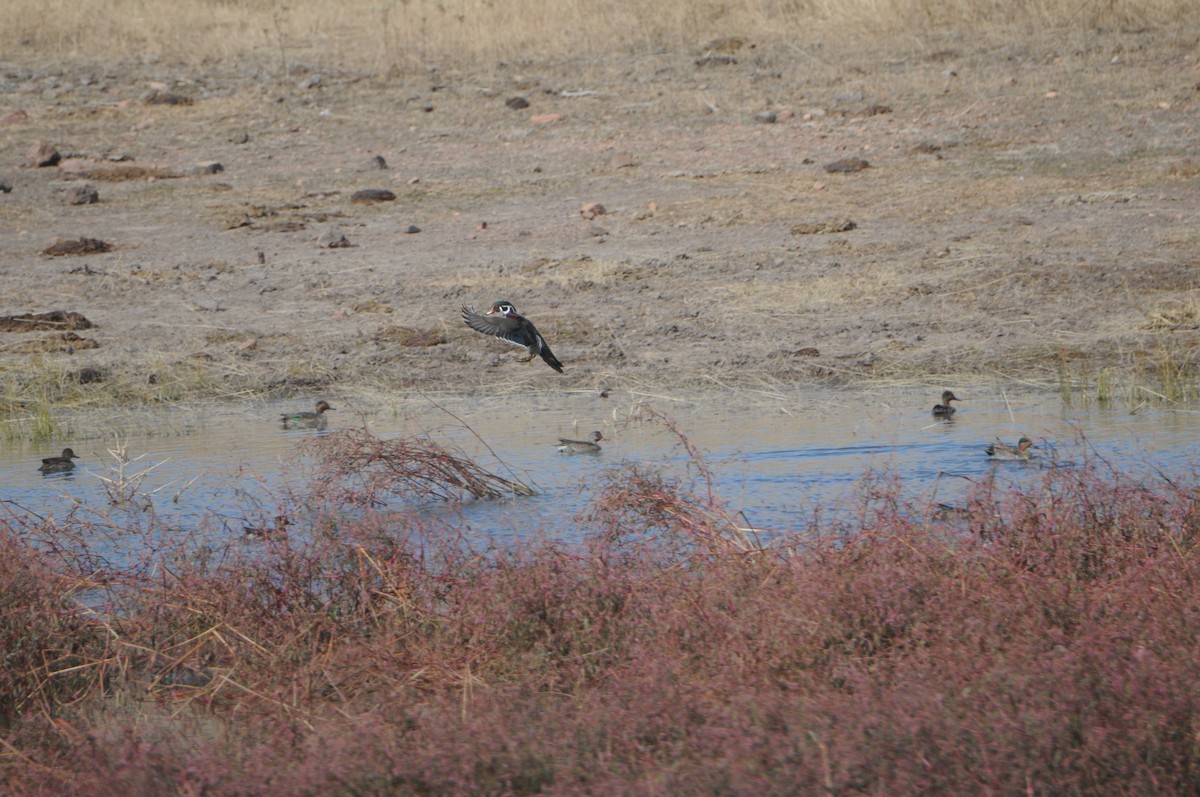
x,y
766,117
160,97
517,103
42,153
716,59
210,167
545,118
847,166
369,195
5,186
823,227
591,210
83,195
333,238
374,163
54,320
412,229
77,246
239,137
88,376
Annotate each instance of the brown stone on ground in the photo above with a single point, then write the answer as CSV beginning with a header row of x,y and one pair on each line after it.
x,y
406,336
716,60
591,210
87,169
168,98
88,375
77,246
42,153
373,306
67,342
17,117
545,118
83,195
847,166
368,196
333,238
823,227
34,322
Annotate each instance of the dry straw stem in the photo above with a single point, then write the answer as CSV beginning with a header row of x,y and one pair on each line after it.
x,y
406,32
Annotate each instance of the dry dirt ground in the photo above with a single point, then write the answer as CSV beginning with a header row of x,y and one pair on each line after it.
x,y
1027,208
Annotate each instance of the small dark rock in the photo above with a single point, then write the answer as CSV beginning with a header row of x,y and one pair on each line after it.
x,y
87,376
5,186
517,103
333,238
376,162
54,320
823,227
427,107
847,166
78,246
211,167
369,195
83,195
766,117
412,229
716,60
168,98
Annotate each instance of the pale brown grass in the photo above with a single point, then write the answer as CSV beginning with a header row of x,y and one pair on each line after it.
x,y
382,36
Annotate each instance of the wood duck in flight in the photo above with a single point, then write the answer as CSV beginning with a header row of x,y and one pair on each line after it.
x,y
503,321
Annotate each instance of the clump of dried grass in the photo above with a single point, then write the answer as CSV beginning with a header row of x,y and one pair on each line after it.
x,y
381,36
357,467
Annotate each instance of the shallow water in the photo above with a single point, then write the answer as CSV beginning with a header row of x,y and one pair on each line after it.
x,y
778,458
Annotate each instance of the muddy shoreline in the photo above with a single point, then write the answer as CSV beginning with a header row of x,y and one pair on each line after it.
x,y
1026,213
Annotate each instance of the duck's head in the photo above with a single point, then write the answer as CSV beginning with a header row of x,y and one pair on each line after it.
x,y
504,307
948,396
323,406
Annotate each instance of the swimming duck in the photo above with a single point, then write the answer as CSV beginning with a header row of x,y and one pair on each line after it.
x,y
589,446
59,464
307,420
1020,451
265,532
503,321
944,410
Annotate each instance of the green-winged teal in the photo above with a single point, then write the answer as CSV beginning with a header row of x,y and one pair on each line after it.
x,y
59,464
264,532
944,410
1020,451
307,420
503,321
589,446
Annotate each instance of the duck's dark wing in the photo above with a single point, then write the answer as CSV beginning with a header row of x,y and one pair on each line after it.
x,y
503,327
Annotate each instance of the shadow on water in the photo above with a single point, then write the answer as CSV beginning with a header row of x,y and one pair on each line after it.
x,y
778,460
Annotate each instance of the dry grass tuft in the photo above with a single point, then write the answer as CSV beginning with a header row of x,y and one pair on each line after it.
x,y
381,36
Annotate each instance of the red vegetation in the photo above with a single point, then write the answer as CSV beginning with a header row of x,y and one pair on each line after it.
x,y
1044,641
